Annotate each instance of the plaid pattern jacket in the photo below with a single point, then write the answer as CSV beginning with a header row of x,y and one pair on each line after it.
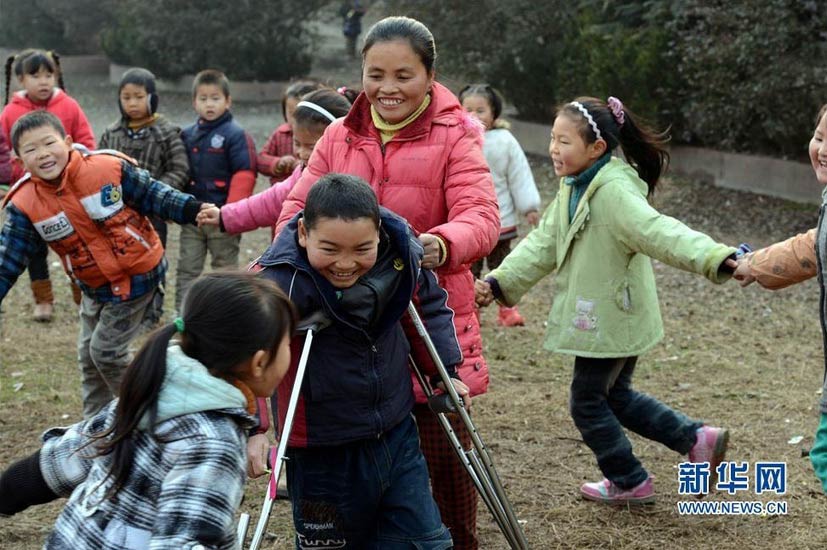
x,y
157,148
19,239
184,487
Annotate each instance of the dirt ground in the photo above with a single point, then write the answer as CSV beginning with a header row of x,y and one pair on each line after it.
x,y
746,359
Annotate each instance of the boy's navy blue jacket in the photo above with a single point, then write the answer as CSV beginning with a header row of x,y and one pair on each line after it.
x,y
217,151
358,384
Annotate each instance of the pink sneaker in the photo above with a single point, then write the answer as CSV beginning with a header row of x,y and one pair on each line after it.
x,y
510,317
607,492
710,447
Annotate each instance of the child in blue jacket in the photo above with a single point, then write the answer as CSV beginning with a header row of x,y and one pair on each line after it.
x,y
222,160
355,472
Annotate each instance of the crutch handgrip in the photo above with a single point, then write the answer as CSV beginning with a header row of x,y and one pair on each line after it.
x,y
315,321
442,403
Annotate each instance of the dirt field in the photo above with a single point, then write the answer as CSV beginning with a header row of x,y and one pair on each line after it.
x,y
748,359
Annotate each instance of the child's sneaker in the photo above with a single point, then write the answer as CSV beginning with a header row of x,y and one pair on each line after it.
x,y
607,492
710,447
510,317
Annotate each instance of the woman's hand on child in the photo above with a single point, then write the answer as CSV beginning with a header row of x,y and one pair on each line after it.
x,y
258,448
430,243
483,294
533,218
743,272
209,215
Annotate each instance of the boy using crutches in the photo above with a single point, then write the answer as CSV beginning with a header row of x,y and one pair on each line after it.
x,y
355,473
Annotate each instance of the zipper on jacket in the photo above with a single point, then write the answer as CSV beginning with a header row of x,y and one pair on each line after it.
x,y
135,235
821,299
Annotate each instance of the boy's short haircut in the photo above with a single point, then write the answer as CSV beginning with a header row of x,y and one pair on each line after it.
x,y
211,77
340,196
30,121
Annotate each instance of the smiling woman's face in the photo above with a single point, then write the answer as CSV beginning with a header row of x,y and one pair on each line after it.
x,y
395,80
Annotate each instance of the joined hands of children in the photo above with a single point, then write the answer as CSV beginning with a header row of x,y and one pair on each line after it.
x,y
483,295
209,214
743,272
533,218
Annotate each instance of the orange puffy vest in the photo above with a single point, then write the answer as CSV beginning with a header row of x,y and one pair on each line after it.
x,y
99,239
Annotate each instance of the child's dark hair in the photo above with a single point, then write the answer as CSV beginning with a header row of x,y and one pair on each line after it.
x,y
296,90
145,79
335,103
821,113
340,196
491,95
211,77
227,318
643,147
404,28
30,121
30,62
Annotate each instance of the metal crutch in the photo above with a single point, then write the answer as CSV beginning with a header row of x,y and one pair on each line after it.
x,y
311,325
477,460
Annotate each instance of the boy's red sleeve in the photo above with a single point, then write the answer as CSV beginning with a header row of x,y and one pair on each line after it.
x,y
242,153
241,185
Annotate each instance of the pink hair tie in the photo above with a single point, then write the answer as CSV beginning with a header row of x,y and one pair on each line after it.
x,y
616,106
341,90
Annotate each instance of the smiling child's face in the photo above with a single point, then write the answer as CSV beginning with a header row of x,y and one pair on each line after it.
x,y
341,250
818,150
44,152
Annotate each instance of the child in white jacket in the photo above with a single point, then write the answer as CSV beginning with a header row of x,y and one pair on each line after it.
x,y
513,180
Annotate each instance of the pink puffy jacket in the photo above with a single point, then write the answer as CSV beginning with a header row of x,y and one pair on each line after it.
x,y
259,210
434,174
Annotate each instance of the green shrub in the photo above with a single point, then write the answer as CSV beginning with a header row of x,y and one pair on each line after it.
x,y
67,27
248,40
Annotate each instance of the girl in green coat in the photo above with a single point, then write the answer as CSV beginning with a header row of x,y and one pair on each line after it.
x,y
599,234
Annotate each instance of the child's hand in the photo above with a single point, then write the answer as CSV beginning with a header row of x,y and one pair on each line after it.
x,y
461,389
483,294
286,164
533,218
258,447
743,272
209,216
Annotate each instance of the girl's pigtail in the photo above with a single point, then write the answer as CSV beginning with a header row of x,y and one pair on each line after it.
x,y
644,148
9,63
56,58
138,398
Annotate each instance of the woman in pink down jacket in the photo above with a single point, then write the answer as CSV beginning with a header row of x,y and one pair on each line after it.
x,y
409,137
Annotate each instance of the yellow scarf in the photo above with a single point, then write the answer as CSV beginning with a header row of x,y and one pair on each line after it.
x,y
388,130
142,123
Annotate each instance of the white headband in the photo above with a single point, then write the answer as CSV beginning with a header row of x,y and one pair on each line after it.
x,y
321,110
580,107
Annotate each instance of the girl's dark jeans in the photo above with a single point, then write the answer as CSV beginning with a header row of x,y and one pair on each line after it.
x,y
603,402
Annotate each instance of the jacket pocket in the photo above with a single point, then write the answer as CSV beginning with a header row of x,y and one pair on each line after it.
x,y
623,296
137,236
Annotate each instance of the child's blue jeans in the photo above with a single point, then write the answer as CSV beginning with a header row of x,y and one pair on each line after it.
x,y
603,403
369,494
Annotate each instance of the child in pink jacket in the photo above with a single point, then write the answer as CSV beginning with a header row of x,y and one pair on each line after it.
x,y
311,117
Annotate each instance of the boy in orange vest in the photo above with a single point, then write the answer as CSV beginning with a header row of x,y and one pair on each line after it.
x,y
90,208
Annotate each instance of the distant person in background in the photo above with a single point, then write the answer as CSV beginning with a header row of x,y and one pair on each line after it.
x,y
513,181
222,158
277,160
38,74
351,12
150,139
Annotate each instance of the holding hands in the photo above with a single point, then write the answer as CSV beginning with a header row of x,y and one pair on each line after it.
x,y
483,294
533,218
286,164
210,214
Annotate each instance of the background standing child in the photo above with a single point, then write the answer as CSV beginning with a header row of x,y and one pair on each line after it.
x,y
277,158
513,180
164,466
222,159
90,209
38,74
599,234
5,165
312,115
152,140
355,472
795,260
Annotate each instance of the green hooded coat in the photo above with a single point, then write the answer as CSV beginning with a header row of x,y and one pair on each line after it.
x,y
605,302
